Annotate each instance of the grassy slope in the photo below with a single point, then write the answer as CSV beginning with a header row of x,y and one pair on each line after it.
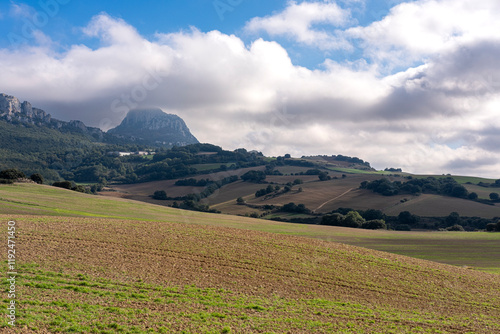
x,y
194,272
107,276
478,250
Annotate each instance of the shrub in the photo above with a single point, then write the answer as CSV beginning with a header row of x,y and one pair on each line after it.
x,y
63,184
37,178
473,196
255,176
335,219
11,174
353,219
160,195
456,228
492,227
376,224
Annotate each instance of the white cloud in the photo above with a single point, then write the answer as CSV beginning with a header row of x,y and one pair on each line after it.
x,y
418,29
440,117
21,10
297,21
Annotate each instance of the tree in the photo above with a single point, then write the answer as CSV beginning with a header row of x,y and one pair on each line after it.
x,y
353,219
473,196
459,191
323,176
11,174
37,178
453,219
375,224
494,196
492,227
335,219
255,176
63,184
240,200
160,195
372,214
405,217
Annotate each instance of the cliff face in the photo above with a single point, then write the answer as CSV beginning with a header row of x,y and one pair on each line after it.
x,y
155,127
13,111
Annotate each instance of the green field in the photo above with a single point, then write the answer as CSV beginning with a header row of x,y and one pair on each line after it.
x,y
92,264
101,275
478,250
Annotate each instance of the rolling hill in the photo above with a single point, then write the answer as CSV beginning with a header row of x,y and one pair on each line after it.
x,y
342,191
103,265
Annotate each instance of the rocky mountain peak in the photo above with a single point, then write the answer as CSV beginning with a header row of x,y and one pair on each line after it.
x,y
154,126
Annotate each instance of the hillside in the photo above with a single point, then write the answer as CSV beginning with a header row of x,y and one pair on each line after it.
x,y
478,250
106,276
342,190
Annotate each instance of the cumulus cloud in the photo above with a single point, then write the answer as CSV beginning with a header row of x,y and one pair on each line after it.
x,y
418,29
439,117
298,21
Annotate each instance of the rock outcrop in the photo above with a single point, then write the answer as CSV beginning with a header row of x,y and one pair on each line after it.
x,y
155,127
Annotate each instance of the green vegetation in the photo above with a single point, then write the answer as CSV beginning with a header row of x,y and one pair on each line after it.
x,y
479,250
353,219
111,276
442,186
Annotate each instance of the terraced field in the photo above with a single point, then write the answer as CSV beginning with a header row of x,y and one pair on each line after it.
x,y
101,275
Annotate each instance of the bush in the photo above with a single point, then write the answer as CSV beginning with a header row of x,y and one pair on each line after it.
x,y
473,196
493,227
456,228
494,196
37,178
376,224
353,219
63,184
255,176
323,176
11,174
160,195
335,219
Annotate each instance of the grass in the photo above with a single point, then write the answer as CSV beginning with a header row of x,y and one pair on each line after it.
x,y
477,250
96,275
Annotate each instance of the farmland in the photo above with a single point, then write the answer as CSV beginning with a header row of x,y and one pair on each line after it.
x,y
104,275
342,191
478,250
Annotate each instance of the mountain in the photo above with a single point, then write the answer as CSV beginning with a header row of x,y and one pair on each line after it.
x,y
154,127
15,112
140,126
33,141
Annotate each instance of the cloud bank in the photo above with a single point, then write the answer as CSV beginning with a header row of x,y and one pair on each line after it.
x,y
436,115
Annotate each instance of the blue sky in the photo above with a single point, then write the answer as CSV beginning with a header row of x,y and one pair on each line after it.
x,y
410,84
61,20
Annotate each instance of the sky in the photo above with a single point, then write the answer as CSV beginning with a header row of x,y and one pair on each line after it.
x,y
402,84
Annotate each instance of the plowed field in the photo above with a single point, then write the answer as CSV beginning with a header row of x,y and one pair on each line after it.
x,y
96,275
